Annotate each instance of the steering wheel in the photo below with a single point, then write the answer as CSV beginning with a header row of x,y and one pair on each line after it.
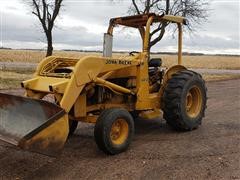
x,y
133,52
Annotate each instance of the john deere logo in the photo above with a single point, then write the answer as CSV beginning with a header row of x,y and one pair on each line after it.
x,y
122,62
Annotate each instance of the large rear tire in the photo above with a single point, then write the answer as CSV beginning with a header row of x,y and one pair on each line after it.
x,y
114,130
184,100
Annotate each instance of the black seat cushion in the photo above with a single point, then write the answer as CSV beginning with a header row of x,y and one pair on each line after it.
x,y
155,62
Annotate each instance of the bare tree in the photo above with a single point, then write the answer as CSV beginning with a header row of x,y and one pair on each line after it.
x,y
195,12
47,12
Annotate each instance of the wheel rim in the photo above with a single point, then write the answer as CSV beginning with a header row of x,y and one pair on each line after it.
x,y
194,102
119,131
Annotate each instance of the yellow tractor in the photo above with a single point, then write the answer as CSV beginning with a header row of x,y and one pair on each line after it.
x,y
108,91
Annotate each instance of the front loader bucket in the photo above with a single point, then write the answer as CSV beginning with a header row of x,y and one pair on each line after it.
x,y
33,125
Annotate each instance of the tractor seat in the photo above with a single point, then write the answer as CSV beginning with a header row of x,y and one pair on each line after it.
x,y
155,62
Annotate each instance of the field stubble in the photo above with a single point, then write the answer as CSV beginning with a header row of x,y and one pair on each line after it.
x,y
209,62
12,79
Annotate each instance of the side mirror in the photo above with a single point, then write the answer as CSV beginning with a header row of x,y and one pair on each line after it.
x,y
107,45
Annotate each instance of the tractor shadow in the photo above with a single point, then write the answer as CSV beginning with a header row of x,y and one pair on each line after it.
x,y
82,142
145,126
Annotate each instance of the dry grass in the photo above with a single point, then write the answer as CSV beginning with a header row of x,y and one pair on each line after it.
x,y
34,56
210,62
10,79
205,62
219,77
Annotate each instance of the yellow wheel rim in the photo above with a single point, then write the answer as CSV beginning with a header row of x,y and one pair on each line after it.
x,y
194,102
119,131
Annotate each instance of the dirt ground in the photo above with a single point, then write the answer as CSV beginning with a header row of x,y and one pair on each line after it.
x,y
157,152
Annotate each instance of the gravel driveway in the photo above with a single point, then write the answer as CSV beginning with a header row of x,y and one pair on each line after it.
x,y
157,152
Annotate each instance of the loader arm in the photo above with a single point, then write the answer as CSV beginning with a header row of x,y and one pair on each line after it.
x,y
86,70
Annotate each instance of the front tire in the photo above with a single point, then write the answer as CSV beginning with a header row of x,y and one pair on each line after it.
x,y
114,130
184,100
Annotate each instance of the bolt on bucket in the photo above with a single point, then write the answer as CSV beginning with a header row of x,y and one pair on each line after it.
x,y
33,125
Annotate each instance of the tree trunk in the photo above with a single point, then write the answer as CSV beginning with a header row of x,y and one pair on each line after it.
x,y
50,47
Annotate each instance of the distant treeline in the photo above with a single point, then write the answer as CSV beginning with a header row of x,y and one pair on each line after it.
x,y
5,48
166,53
98,51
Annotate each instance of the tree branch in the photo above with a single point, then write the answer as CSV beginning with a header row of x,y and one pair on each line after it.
x,y
158,38
167,6
47,13
135,6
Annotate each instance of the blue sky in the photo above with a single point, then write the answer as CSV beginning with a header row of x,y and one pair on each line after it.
x,y
82,23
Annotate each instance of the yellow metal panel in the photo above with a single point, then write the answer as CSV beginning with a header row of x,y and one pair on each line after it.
x,y
43,63
143,84
80,106
71,95
87,69
172,70
90,67
59,87
26,84
42,83
126,72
